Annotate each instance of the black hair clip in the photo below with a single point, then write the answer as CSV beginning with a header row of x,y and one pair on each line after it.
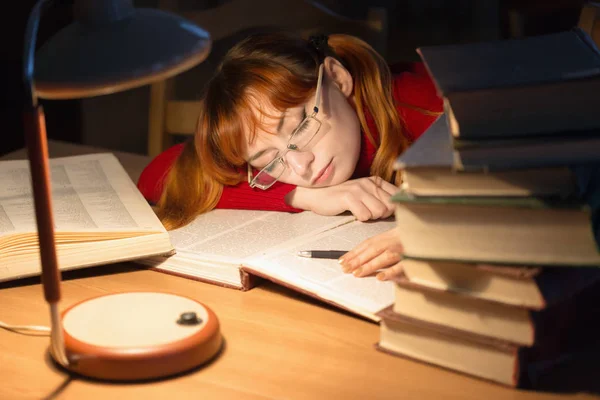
x,y
319,43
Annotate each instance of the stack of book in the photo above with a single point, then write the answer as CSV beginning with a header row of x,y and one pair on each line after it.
x,y
498,212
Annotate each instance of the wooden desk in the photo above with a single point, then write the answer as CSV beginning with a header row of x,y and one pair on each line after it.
x,y
279,345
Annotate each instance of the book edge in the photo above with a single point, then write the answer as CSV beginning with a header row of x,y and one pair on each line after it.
x,y
199,279
372,317
403,281
499,344
379,347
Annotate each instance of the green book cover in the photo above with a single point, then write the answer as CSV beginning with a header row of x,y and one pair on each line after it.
x,y
521,202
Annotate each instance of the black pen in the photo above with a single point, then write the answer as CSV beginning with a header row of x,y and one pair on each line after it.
x,y
330,254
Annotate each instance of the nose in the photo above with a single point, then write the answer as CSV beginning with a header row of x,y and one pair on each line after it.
x,y
299,162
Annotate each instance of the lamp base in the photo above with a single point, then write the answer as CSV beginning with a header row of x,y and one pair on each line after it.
x,y
139,335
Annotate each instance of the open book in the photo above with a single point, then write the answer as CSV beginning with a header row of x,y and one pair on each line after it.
x,y
230,247
99,215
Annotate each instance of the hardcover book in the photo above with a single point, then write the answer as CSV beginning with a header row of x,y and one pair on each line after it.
x,y
436,164
497,230
495,360
99,214
518,87
466,311
505,284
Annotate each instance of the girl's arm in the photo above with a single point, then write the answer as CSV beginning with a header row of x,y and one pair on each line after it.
x,y
241,196
366,198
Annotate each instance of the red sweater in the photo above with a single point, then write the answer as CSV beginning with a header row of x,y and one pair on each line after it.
x,y
412,86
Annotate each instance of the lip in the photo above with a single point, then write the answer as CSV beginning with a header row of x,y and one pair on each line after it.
x,y
324,174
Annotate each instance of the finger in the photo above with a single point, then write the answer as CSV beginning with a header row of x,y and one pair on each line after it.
x,y
359,209
346,261
363,246
385,194
383,260
384,191
363,253
390,273
376,206
384,185
389,210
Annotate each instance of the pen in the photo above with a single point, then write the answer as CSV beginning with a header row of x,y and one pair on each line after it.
x,y
331,254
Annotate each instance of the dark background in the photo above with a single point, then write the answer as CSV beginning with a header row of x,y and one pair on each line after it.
x,y
411,23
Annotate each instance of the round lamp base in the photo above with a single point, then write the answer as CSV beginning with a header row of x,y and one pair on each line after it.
x,y
139,335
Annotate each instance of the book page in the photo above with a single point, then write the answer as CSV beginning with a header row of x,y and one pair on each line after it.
x,y
89,193
229,236
365,296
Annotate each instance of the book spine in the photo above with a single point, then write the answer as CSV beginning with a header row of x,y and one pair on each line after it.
x,y
518,112
527,155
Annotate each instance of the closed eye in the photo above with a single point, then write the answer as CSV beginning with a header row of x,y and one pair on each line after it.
x,y
302,126
262,158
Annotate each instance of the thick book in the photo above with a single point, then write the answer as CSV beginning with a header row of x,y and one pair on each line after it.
x,y
497,230
99,215
567,332
439,346
467,312
436,164
518,87
574,348
231,247
505,284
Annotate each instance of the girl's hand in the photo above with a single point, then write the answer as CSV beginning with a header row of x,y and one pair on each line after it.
x,y
366,198
381,252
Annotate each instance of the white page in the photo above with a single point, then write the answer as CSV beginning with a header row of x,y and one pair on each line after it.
x,y
228,236
89,193
365,296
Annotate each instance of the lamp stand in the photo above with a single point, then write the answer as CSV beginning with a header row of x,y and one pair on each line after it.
x,y
122,336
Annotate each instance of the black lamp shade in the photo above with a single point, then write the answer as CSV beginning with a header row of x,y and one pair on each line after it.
x,y
90,59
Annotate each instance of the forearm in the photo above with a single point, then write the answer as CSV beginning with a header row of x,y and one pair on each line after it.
x,y
297,199
242,196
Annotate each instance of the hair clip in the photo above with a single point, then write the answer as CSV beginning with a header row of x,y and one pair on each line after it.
x,y
319,42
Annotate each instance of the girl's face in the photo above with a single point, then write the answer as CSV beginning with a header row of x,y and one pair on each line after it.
x,y
331,156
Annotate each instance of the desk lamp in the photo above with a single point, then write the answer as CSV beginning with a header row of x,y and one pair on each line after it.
x,y
111,47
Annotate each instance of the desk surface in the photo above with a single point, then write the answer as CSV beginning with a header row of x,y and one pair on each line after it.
x,y
279,345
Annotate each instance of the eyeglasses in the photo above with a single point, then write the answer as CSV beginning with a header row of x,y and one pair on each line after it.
x,y
299,139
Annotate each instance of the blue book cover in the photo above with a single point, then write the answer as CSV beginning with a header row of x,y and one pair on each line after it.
x,y
436,148
536,85
512,62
